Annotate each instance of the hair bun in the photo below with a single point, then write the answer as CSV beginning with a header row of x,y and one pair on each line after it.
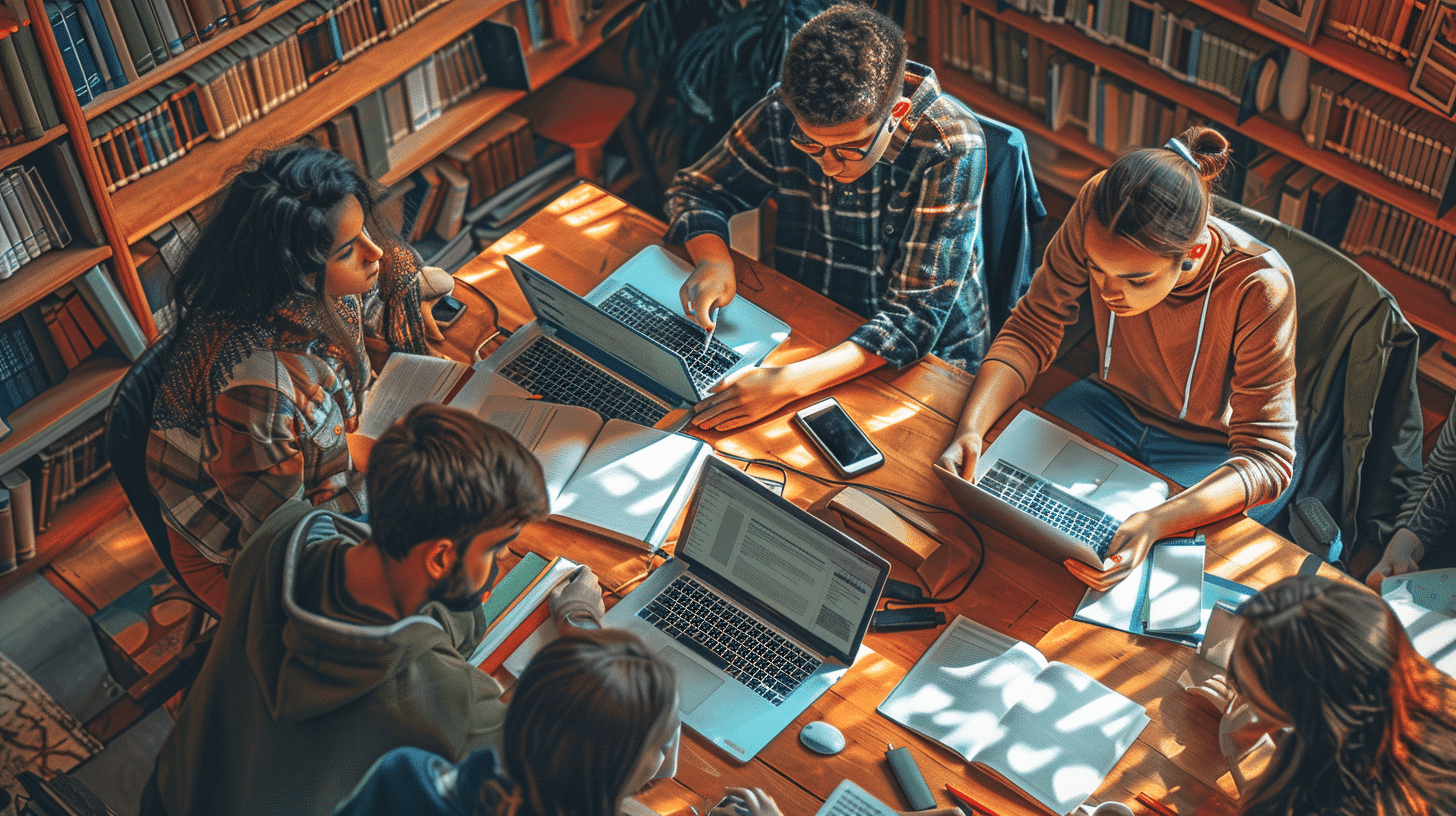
x,y
1211,150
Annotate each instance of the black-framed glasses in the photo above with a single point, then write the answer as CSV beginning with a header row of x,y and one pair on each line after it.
x,y
843,153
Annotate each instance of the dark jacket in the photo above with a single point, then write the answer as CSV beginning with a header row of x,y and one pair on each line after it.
x,y
303,689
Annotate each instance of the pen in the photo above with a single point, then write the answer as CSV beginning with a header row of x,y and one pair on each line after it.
x,y
708,343
965,797
1154,805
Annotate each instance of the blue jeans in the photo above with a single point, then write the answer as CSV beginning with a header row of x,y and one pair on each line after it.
x,y
1102,414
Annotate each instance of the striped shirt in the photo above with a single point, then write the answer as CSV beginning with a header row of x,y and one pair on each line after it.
x,y
1430,510
896,246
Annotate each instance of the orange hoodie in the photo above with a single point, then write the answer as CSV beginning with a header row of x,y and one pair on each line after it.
x,y
1241,391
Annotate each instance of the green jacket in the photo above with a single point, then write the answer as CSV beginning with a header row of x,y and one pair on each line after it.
x,y
301,693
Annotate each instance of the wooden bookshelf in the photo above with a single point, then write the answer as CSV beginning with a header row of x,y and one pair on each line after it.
x,y
18,152
178,63
1422,303
45,274
85,392
91,508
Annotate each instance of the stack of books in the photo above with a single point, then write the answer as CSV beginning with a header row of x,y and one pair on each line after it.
x,y
517,608
29,222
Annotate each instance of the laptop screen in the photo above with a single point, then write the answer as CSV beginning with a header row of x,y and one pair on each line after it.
x,y
564,310
798,566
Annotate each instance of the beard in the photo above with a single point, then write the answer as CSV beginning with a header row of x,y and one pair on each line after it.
x,y
454,592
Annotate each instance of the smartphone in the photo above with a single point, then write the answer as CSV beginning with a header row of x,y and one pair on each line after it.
x,y
847,447
447,310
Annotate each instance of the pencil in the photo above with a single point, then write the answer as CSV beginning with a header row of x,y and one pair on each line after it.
x,y
965,797
1154,805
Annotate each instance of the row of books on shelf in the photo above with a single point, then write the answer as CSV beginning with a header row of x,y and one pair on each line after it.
x,y
249,78
1393,29
1407,144
27,106
17,521
29,222
40,346
1408,243
31,494
1187,42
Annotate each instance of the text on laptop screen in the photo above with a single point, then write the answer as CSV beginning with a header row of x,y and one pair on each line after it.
x,y
780,560
562,308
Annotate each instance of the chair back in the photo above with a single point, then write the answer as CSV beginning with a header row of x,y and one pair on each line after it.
x,y
1011,209
128,421
1355,386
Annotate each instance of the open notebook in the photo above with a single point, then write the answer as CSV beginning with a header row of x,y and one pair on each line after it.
x,y
1050,730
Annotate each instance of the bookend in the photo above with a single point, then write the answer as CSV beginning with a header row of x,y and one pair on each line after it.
x,y
901,532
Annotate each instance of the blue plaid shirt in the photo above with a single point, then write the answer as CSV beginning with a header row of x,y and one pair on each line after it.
x,y
897,245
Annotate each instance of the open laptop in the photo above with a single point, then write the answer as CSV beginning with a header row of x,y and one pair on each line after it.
x,y
760,611
625,352
1053,491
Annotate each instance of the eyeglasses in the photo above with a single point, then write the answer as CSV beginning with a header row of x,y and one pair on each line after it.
x,y
843,153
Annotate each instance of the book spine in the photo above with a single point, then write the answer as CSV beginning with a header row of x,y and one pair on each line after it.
x,y
105,301
133,34
7,532
65,41
369,112
15,80
21,514
34,69
107,14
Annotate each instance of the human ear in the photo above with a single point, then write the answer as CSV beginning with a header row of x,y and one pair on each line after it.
x,y
437,557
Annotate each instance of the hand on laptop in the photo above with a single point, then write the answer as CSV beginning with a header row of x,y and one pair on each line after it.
x,y
711,286
750,395
962,455
746,802
1129,547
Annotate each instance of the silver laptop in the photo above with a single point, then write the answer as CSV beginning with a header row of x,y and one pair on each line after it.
x,y
760,611
1054,492
624,352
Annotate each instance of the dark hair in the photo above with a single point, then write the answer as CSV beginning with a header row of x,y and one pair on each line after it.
x,y
581,718
1374,723
846,64
1159,200
441,472
268,237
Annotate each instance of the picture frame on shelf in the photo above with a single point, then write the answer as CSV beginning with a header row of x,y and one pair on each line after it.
x,y
1434,77
1297,18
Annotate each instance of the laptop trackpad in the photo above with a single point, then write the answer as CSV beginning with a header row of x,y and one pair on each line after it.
x,y
695,683
1078,469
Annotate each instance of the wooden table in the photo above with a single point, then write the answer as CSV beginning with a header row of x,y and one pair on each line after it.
x,y
910,414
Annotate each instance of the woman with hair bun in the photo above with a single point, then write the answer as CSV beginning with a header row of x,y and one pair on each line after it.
x,y
1195,330
267,371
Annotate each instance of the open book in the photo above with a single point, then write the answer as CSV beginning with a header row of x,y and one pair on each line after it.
x,y
1050,730
1425,602
614,478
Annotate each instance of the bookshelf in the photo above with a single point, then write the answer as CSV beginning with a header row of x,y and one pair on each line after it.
x,y
133,211
1424,304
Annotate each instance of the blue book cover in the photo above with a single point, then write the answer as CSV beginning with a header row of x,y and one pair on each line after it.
x,y
67,45
107,47
89,69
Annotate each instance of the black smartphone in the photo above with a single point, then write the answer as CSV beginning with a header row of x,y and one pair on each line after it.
x,y
847,447
446,310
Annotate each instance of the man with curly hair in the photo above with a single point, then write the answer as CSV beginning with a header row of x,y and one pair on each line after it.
x,y
877,176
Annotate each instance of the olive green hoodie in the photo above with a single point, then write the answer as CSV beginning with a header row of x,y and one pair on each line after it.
x,y
304,688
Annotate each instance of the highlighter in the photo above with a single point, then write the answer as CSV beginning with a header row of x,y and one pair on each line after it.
x,y
917,793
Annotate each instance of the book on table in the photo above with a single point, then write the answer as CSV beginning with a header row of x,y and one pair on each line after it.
x,y
1052,731
517,608
614,478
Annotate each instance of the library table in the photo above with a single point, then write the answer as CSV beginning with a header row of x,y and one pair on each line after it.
x,y
910,414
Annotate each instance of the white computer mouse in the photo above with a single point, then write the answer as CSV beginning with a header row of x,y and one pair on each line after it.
x,y
821,737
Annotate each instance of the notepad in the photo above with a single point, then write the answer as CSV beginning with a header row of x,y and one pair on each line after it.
x,y
1052,731
1425,603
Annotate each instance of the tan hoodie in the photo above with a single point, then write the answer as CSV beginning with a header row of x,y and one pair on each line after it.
x,y
1242,383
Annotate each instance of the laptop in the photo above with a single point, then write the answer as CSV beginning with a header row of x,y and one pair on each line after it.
x,y
1053,491
761,610
625,350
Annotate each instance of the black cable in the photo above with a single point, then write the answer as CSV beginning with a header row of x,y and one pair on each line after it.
x,y
500,331
980,542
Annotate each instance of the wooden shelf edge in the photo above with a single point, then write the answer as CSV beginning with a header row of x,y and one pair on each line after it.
x,y
85,392
1387,75
1261,128
83,515
44,274
203,169
1422,303
18,152
178,63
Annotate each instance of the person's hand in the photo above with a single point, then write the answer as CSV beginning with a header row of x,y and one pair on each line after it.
x,y
746,802
711,286
1402,555
1130,545
962,455
1240,730
752,394
1214,695
579,593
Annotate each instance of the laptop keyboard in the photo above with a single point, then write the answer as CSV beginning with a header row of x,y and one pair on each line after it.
x,y
743,647
678,334
1045,501
559,376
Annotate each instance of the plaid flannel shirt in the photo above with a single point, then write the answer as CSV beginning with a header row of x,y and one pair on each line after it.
x,y
896,246
250,417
